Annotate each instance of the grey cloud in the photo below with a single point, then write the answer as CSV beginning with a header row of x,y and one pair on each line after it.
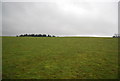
x,y
60,18
0,19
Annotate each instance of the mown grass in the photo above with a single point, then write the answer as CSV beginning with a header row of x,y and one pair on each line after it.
x,y
60,58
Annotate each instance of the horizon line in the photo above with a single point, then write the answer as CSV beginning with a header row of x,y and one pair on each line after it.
x,y
66,36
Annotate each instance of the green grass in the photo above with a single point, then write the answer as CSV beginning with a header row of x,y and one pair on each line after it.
x,y
60,58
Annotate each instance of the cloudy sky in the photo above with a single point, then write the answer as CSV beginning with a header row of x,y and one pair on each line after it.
x,y
60,17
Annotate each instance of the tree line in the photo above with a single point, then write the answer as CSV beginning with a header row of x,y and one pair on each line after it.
x,y
35,35
116,36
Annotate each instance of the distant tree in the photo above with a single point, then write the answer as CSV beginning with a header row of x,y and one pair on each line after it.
x,y
39,35
49,35
44,35
34,35
25,35
53,36
21,35
116,36
113,36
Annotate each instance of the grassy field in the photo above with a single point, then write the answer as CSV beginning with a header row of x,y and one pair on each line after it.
x,y
60,58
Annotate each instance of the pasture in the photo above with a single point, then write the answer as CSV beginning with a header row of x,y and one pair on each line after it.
x,y
59,58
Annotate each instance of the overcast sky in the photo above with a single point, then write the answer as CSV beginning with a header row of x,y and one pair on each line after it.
x,y
60,17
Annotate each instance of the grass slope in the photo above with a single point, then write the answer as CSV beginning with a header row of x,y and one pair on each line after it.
x,y
60,58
